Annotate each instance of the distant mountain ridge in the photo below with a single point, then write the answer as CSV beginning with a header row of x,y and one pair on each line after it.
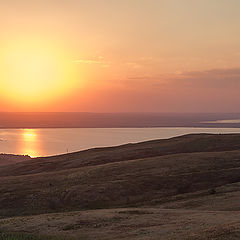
x,y
116,120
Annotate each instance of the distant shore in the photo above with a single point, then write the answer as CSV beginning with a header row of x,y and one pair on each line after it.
x,y
117,120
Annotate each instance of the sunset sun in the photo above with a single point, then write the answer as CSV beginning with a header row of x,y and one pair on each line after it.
x,y
35,73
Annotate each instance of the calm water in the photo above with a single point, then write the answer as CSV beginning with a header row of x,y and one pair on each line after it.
x,y
44,142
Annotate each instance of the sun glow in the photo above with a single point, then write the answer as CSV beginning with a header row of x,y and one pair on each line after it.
x,y
30,144
35,73
29,135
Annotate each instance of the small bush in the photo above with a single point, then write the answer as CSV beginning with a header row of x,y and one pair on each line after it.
x,y
212,191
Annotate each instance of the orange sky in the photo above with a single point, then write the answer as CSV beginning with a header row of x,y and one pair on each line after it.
x,y
120,56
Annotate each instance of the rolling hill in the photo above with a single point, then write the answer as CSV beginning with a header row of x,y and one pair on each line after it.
x,y
185,187
6,159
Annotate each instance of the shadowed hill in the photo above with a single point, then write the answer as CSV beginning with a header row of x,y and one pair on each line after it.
x,y
148,181
156,173
115,120
183,188
183,144
6,159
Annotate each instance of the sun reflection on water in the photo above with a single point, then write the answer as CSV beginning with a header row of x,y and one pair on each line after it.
x,y
29,135
30,144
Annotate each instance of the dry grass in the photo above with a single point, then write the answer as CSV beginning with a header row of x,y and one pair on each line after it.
x,y
195,176
130,223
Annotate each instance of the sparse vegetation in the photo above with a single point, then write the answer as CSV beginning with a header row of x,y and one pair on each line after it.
x,y
213,191
22,236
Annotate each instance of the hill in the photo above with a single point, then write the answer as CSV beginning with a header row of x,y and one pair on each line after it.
x,y
6,159
116,120
184,144
191,182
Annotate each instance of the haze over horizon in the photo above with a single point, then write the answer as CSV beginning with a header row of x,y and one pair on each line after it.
x,y
124,56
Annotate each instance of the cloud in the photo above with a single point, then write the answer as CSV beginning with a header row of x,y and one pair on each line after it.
x,y
216,78
235,121
213,78
133,65
144,78
216,72
88,61
142,81
141,62
99,60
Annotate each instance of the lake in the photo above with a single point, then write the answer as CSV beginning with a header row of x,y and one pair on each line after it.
x,y
51,141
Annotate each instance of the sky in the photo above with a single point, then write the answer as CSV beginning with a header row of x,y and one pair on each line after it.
x,y
120,56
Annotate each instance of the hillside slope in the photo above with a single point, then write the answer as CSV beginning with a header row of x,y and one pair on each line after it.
x,y
6,159
184,144
183,180
111,183
131,224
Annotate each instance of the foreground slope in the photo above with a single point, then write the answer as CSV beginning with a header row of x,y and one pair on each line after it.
x,y
131,223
